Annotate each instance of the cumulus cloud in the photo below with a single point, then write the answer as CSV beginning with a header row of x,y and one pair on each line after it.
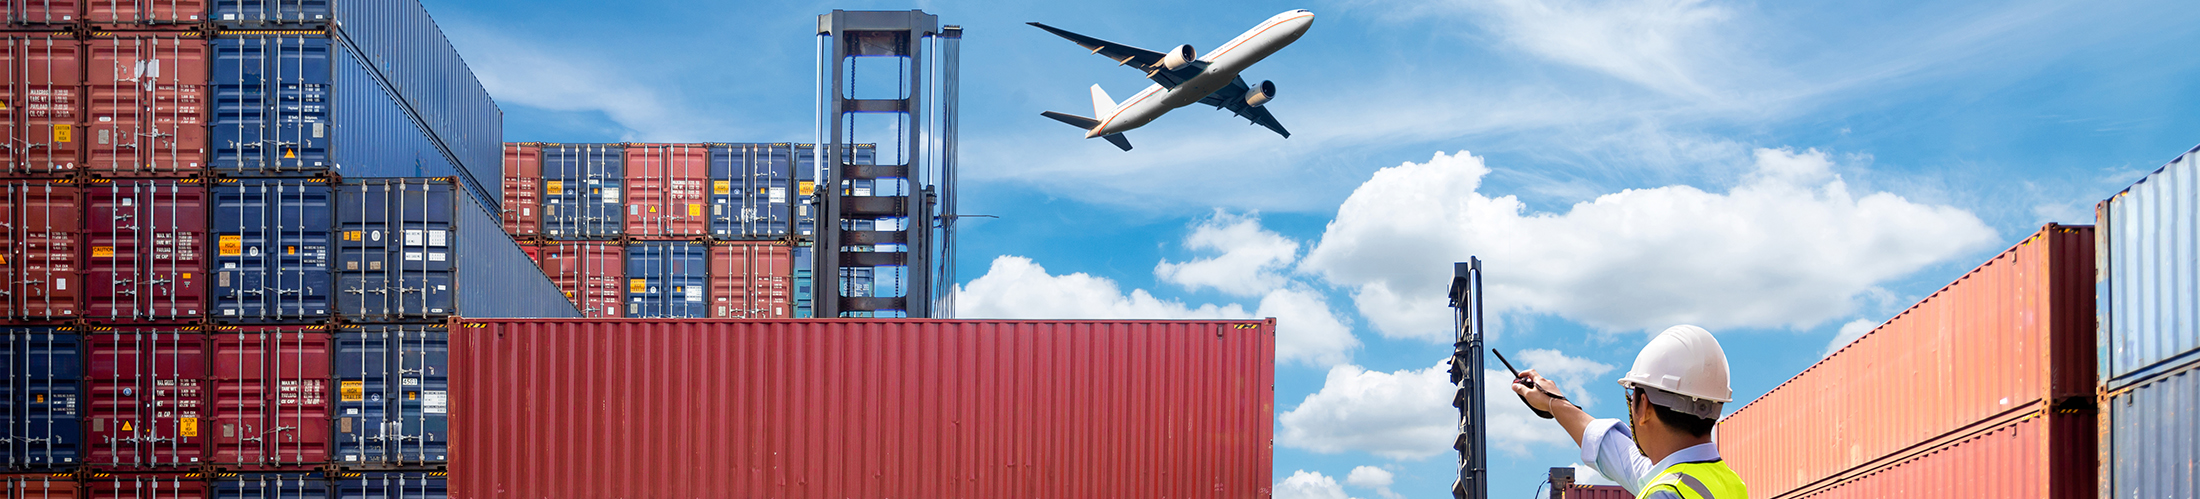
x,y
1308,332
1250,262
1304,484
1849,332
1403,415
1370,477
1571,373
1790,246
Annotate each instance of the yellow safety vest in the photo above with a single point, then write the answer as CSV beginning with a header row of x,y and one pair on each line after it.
x,y
1702,480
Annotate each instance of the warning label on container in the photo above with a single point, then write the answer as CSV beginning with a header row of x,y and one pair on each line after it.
x,y
695,209
351,391
779,194
555,187
61,133
349,235
188,427
103,252
721,187
435,402
232,245
808,187
637,285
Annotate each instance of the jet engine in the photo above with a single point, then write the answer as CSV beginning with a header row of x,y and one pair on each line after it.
x,y
1261,94
1178,57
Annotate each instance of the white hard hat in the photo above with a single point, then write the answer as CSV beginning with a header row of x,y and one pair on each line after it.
x,y
1684,360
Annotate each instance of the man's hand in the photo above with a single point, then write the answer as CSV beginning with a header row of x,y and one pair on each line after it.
x,y
1537,399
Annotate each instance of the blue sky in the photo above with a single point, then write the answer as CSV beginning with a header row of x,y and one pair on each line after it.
x,y
1778,172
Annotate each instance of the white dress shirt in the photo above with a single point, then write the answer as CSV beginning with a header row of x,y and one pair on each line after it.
x,y
1609,447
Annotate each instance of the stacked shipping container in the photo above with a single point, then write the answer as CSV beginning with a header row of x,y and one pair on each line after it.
x,y
2149,304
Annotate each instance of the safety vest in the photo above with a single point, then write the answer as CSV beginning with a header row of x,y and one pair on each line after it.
x,y
1699,480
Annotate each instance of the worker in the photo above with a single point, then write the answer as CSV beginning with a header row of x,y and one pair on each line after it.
x,y
1675,391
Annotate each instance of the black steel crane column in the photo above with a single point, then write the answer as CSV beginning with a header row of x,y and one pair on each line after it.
x,y
1466,371
875,34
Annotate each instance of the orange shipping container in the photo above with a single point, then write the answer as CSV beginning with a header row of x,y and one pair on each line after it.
x,y
2040,455
40,108
2013,336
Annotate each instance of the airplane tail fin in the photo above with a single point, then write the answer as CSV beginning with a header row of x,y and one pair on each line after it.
x,y
1088,124
1102,105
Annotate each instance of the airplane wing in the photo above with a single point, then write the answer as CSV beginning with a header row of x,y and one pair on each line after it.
x,y
1146,61
1232,98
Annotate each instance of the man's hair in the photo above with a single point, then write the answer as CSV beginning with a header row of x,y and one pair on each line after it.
x,y
1687,423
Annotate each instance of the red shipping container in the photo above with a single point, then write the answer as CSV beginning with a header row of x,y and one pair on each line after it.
x,y
269,401
751,280
39,260
2041,455
522,189
145,397
40,486
22,13
147,243
590,272
143,14
2010,337
667,192
148,105
145,486
43,104
861,408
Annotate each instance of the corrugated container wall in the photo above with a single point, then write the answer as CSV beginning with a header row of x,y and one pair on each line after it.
x,y
2040,455
667,280
271,251
581,190
42,279
393,386
393,485
148,103
522,189
146,240
144,14
44,97
45,367
145,486
751,280
492,261
270,486
269,404
592,274
42,13
751,189
40,486
665,185
2149,287
842,408
145,398
2012,336
2150,441
412,58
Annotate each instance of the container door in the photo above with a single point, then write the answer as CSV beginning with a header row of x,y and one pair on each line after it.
x,y
393,404
667,280
42,12
264,13
270,486
422,404
147,253
392,485
396,250
44,367
522,189
271,251
582,191
271,99
362,372
148,106
141,14
145,397
43,115
269,387
165,486
39,259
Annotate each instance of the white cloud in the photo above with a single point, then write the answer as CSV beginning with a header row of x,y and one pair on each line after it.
x,y
1585,475
1788,247
1849,332
1401,415
1571,373
1371,477
1659,44
1304,484
1306,330
542,74
1250,262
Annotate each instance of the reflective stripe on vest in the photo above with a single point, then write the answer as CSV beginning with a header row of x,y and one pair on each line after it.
x,y
1704,480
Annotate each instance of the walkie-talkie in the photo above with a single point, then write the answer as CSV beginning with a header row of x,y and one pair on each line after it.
x,y
1524,398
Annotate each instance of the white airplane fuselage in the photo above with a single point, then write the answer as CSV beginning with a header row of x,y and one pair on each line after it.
x,y
1223,66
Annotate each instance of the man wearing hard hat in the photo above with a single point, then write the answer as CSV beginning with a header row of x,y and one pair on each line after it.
x,y
1664,451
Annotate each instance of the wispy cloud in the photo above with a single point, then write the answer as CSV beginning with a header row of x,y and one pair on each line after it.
x,y
553,74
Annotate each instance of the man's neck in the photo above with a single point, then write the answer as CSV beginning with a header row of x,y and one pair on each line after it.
x,y
1659,447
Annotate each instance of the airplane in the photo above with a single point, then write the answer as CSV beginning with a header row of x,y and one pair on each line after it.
x,y
1181,78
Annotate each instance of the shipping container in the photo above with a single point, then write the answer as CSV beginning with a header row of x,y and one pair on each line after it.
x,y
271,251
2150,439
145,14
667,279
805,261
492,261
396,251
2149,282
268,388
392,485
147,243
2043,455
581,190
2009,337
838,408
38,263
45,375
751,189
393,386
270,486
805,171
522,189
42,13
148,104
145,486
751,280
145,397
412,59
665,186
40,486
44,98
592,274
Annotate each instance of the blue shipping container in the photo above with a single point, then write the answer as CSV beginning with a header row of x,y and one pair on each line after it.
x,y
667,279
392,485
805,262
392,404
2148,292
751,189
45,371
411,56
270,486
805,172
581,185
397,254
288,105
271,251
2153,437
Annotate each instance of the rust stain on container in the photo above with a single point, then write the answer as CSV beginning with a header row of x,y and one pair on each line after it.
x,y
148,105
40,262
667,190
44,103
845,408
522,189
2010,337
